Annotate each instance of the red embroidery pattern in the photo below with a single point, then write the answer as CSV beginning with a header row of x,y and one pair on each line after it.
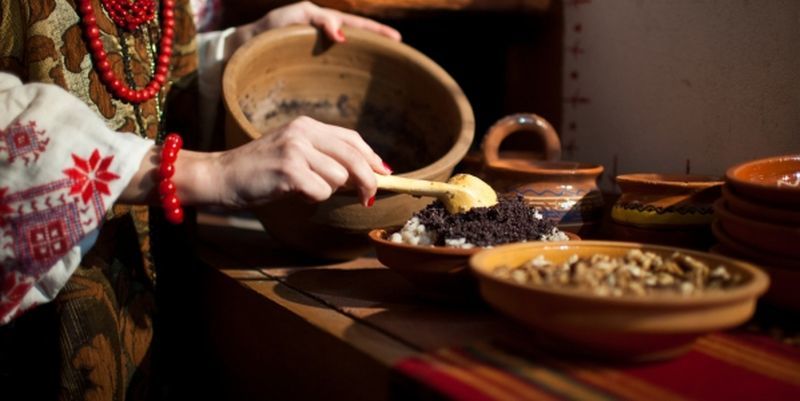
x,y
39,225
13,287
45,236
90,176
4,208
23,141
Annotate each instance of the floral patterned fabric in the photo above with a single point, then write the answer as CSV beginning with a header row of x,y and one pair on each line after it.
x,y
63,163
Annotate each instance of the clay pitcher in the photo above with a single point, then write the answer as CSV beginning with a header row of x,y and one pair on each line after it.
x,y
563,192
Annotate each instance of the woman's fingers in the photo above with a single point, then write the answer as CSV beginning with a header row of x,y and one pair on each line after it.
x,y
305,157
327,168
331,21
308,183
370,25
349,149
330,24
355,140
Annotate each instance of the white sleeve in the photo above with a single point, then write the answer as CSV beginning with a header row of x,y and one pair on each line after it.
x,y
61,168
212,55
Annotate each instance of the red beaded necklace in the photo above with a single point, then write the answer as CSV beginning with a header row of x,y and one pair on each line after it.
x,y
129,15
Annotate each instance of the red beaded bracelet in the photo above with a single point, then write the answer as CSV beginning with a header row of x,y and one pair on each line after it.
x,y
166,188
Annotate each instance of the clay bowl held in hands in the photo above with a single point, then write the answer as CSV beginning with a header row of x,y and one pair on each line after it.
x,y
404,105
666,201
774,180
629,327
758,210
771,238
439,272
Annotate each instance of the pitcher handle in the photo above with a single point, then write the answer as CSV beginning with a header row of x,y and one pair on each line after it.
x,y
520,122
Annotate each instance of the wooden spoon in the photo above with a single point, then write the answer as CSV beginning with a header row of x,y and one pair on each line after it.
x,y
459,194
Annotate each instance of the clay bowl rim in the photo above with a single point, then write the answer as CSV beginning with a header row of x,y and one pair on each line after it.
x,y
769,212
753,288
757,257
462,141
547,168
732,176
676,181
378,235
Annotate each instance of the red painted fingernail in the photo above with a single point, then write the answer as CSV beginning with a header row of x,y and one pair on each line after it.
x,y
386,166
371,201
341,35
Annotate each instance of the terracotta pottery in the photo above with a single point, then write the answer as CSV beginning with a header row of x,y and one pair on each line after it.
x,y
439,272
758,210
564,192
666,201
404,105
783,282
774,180
749,253
780,240
629,327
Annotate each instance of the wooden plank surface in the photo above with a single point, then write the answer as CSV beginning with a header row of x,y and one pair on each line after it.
x,y
362,291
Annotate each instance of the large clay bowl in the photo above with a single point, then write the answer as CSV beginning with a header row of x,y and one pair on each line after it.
x,y
629,327
403,104
766,237
439,272
774,180
666,201
759,211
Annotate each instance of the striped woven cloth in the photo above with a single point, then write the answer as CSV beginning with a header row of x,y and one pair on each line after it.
x,y
726,367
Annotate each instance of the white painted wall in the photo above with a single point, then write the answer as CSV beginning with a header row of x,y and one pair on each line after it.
x,y
657,82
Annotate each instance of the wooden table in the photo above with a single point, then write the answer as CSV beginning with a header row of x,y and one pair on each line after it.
x,y
286,327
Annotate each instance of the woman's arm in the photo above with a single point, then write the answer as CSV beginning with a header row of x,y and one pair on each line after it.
x,y
303,157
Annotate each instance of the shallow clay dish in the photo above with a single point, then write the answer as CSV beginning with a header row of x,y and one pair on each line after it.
x,y
766,237
666,200
774,180
759,210
650,327
404,105
441,272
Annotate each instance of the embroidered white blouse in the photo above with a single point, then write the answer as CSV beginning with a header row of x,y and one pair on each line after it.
x,y
61,168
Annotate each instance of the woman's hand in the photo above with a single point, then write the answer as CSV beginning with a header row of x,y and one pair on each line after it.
x,y
304,157
307,13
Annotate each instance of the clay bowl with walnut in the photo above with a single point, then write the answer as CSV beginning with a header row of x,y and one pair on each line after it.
x,y
439,272
629,327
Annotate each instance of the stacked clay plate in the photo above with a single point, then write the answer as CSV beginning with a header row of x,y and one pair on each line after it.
x,y
758,219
